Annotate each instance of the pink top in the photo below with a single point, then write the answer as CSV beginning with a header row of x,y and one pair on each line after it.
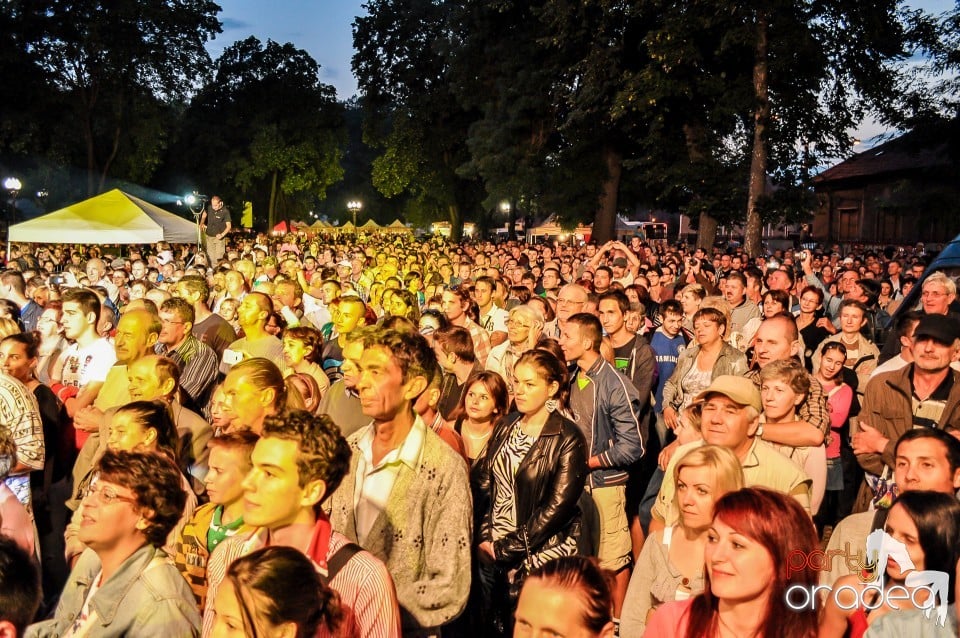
x,y
838,403
669,620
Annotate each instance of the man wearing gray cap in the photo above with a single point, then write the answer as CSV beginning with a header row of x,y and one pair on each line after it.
x,y
729,417
925,393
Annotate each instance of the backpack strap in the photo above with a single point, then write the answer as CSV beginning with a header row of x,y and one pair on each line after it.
x,y
339,559
863,360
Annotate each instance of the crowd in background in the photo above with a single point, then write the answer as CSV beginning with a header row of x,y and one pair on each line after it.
x,y
366,435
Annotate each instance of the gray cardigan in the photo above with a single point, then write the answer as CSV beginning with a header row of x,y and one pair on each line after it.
x,y
424,534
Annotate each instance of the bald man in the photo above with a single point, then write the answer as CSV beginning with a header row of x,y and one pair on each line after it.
x,y
252,316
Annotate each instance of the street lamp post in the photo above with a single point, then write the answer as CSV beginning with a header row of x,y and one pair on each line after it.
x,y
354,206
13,186
505,208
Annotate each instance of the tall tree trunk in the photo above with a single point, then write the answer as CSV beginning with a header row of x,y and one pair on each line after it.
x,y
113,155
604,224
456,222
758,159
271,208
706,232
91,155
707,225
512,222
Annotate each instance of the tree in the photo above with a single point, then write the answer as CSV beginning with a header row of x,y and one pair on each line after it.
x,y
411,114
119,66
268,125
818,69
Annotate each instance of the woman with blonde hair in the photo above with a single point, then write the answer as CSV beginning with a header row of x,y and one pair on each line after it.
x,y
670,566
691,296
524,326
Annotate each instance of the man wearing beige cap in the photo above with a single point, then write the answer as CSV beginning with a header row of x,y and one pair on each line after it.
x,y
730,415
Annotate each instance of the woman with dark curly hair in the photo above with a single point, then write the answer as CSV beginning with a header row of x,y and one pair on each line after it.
x,y
140,426
124,583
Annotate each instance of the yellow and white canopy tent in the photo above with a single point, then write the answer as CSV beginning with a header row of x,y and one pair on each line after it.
x,y
113,217
397,226
369,226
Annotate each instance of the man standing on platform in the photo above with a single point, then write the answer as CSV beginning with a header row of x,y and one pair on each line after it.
x,y
216,225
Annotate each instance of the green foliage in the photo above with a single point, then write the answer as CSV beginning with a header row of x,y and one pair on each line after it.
x,y
274,131
114,65
411,115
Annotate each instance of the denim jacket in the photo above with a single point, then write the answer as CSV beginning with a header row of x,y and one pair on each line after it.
x,y
146,597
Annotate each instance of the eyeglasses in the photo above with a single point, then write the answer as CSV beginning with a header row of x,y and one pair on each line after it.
x,y
107,495
516,324
570,302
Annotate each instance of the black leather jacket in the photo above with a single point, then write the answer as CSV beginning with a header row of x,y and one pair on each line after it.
x,y
548,484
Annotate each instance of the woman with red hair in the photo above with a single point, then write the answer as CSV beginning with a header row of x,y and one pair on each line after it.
x,y
754,532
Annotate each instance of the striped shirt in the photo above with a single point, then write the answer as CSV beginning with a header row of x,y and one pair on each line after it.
x,y
368,597
198,365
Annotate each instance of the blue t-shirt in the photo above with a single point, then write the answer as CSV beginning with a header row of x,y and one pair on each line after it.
x,y
667,350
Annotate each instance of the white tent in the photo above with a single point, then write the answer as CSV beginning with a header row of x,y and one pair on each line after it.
x,y
113,217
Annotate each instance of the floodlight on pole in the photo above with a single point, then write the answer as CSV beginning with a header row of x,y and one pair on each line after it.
x,y
13,186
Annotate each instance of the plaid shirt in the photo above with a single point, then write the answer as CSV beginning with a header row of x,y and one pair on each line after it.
x,y
481,339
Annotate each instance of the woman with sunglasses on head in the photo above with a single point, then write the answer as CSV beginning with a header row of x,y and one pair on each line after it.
x,y
530,480
524,327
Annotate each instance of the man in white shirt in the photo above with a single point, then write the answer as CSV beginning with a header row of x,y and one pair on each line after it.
x,y
493,318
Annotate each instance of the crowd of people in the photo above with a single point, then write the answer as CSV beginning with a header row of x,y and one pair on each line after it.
x,y
359,435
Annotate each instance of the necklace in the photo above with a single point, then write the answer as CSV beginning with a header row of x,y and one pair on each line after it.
x,y
479,437
731,632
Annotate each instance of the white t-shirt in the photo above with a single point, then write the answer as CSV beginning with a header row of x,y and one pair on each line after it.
x,y
495,320
85,365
